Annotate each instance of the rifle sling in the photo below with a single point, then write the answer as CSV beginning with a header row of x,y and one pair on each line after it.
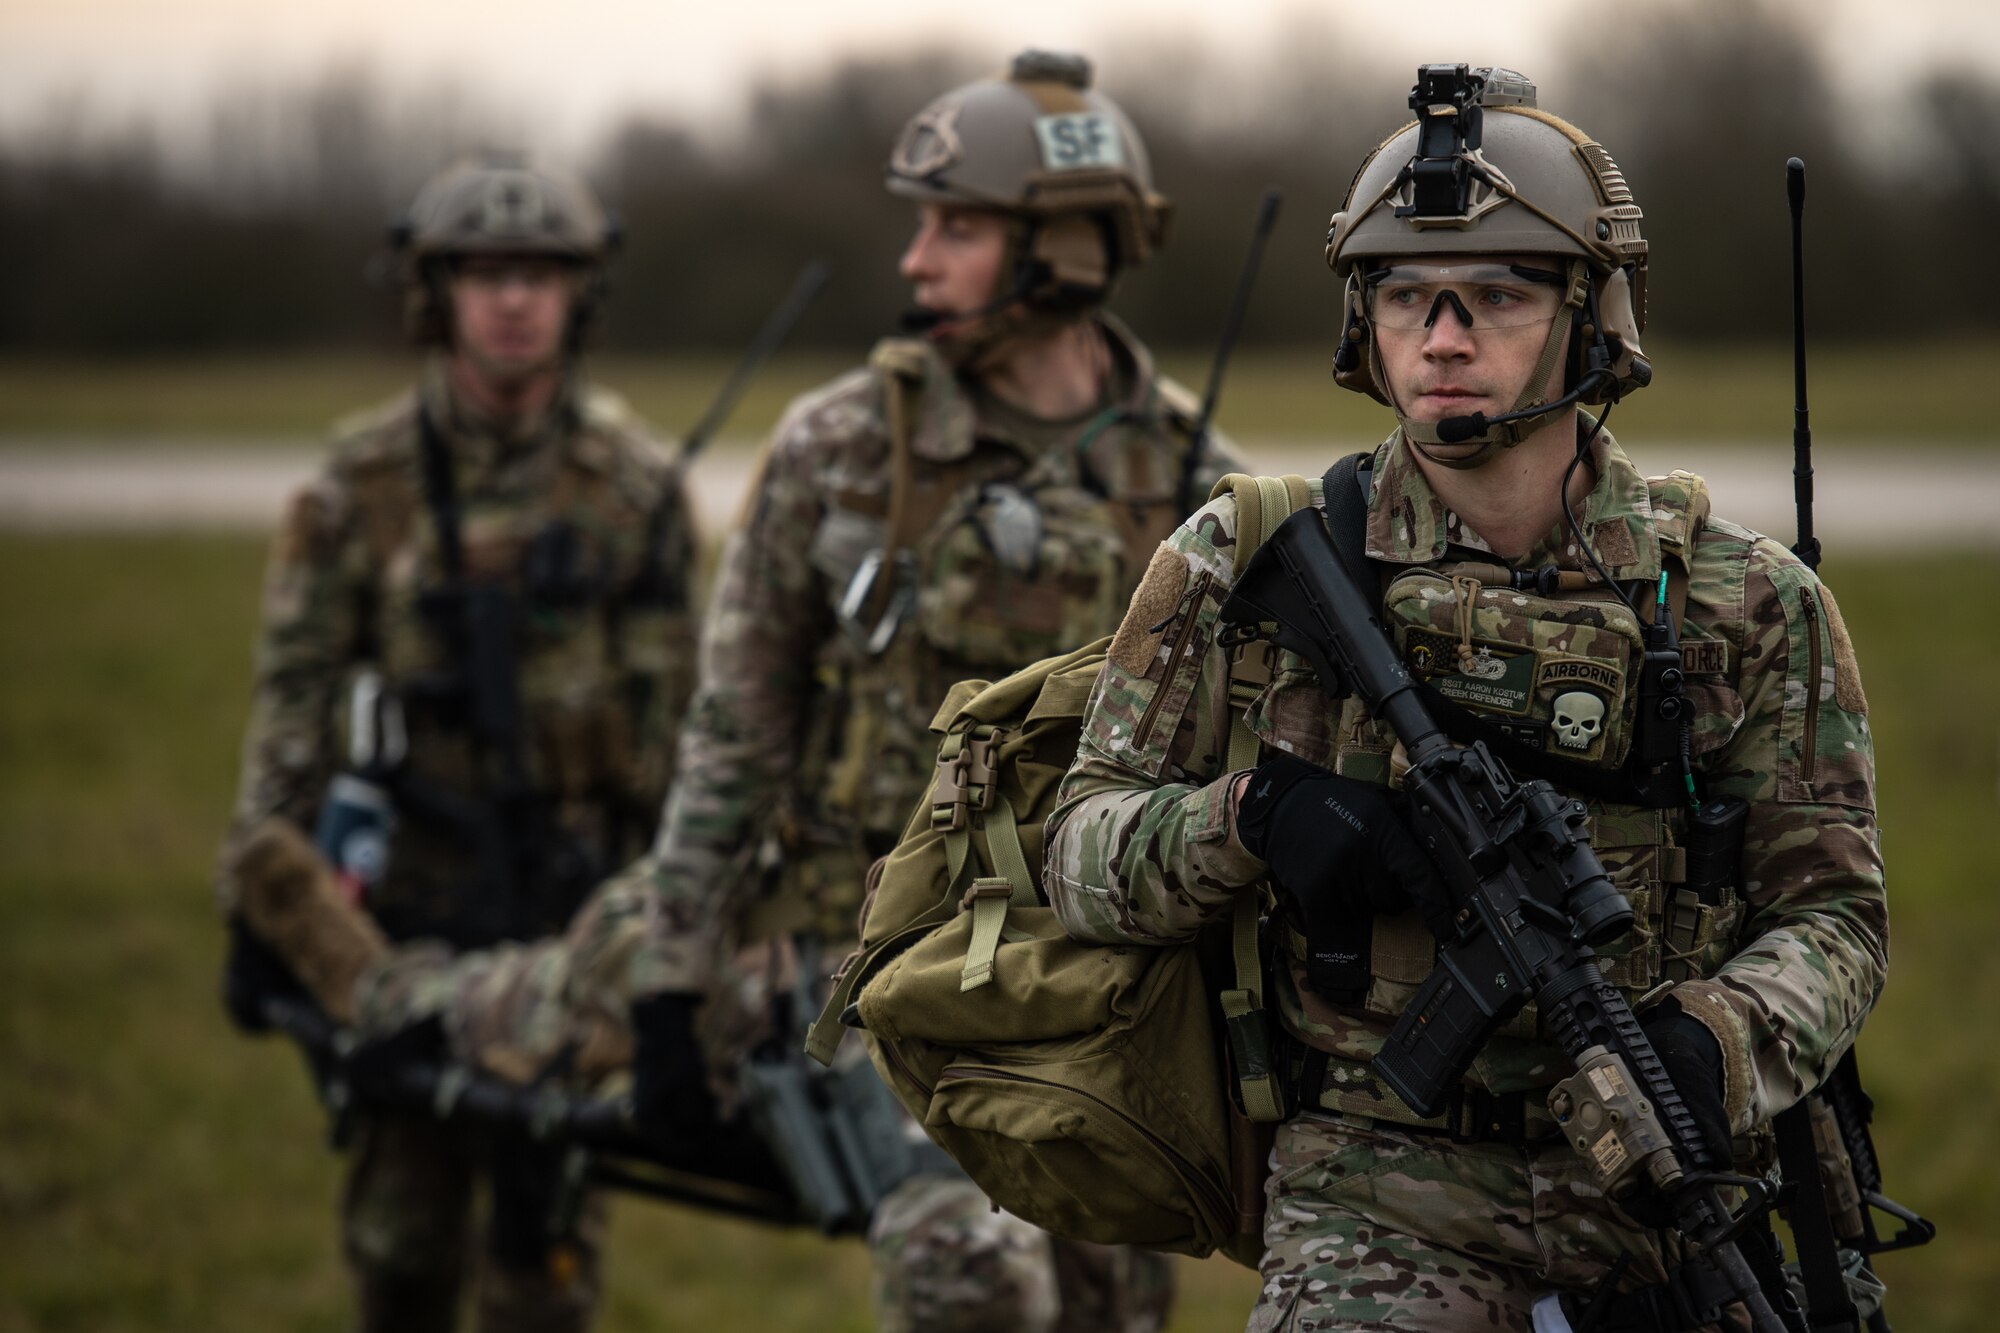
x,y
441,495
1828,1306
521,833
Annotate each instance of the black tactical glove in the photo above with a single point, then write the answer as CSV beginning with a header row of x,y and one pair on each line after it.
x,y
1339,852
377,1067
669,1085
252,973
1693,1059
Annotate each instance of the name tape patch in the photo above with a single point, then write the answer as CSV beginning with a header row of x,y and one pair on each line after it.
x,y
1079,139
1704,657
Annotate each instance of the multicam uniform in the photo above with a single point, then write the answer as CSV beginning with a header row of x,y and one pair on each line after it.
x,y
805,751
802,733
1377,1220
603,675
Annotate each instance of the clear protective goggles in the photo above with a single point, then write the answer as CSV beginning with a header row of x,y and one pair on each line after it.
x,y
1483,294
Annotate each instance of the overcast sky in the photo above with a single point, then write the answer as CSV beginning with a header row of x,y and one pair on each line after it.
x,y
582,63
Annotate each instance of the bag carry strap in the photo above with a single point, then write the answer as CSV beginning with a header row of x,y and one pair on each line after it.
x,y
990,896
1262,503
1246,1022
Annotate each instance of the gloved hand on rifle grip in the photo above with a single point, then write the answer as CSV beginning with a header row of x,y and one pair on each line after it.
x,y
1693,1060
669,1083
1334,843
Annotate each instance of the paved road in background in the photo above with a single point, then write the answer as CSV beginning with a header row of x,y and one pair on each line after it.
x,y
1885,496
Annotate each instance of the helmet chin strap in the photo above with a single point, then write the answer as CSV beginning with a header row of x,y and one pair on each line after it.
x,y
1506,430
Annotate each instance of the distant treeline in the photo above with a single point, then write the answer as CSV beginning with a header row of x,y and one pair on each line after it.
x,y
267,234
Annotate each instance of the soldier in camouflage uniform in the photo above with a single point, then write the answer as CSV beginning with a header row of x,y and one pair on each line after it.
x,y
1528,282
970,501
503,486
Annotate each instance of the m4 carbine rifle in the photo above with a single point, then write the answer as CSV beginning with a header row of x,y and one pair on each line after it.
x,y
1526,901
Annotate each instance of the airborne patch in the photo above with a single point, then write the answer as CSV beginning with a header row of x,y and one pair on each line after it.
x,y
1580,671
1079,139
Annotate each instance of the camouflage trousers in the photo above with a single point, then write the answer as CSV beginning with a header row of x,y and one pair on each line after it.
x,y
412,1235
1370,1228
947,1261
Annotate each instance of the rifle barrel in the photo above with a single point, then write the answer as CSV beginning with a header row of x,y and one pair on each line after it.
x,y
804,288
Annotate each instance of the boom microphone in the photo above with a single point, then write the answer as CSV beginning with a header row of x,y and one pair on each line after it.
x,y
1457,430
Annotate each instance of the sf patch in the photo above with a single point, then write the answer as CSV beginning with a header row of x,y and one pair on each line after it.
x,y
1079,139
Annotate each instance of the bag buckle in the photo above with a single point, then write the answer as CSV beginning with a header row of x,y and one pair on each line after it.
x,y
985,888
965,777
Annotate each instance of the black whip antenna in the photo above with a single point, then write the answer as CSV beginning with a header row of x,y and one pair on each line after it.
x,y
1807,548
804,288
1267,220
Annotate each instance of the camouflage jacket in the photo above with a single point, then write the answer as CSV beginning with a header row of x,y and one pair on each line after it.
x,y
1143,848
806,747
581,519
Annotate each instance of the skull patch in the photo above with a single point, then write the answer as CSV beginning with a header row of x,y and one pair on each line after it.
x,y
1579,718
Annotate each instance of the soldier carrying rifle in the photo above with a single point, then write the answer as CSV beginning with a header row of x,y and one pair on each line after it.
x,y
1665,688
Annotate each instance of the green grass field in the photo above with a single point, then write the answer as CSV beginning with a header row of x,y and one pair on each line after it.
x,y
159,1172
1934,390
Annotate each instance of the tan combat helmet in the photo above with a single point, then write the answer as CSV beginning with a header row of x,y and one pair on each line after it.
x,y
1484,171
498,204
1061,160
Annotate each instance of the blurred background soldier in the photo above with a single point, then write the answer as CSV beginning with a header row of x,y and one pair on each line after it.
x,y
474,653
972,500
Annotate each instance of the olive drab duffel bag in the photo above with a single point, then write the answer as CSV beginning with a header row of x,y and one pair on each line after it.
x,y
1107,1093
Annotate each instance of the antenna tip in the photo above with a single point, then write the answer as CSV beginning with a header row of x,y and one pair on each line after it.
x,y
1795,180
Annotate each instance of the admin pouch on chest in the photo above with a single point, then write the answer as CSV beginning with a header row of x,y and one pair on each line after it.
x,y
1118,1094
1554,670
